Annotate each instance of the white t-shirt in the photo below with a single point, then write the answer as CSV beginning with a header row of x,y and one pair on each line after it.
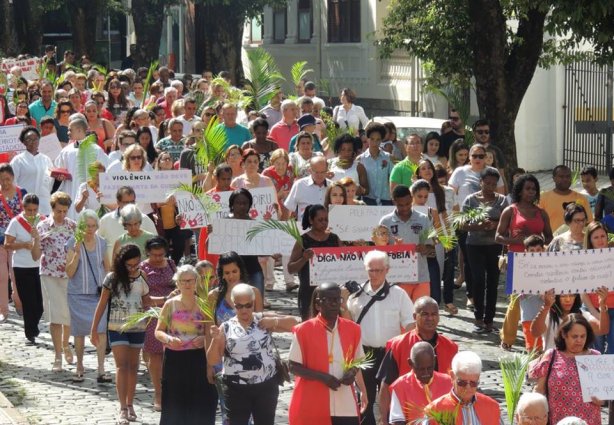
x,y
21,257
466,181
32,174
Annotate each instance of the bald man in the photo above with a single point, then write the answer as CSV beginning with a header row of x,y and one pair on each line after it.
x,y
309,190
412,392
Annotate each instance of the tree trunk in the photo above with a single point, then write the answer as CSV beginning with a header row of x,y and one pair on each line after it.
x,y
223,42
503,76
10,43
148,17
83,17
29,26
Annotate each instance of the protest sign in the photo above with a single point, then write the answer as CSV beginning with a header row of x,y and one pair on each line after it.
x,y
9,138
231,235
50,146
264,201
28,67
341,264
575,271
355,222
151,186
596,376
193,215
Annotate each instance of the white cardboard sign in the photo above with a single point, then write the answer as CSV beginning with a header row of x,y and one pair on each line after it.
x,y
151,186
355,222
596,376
231,235
9,138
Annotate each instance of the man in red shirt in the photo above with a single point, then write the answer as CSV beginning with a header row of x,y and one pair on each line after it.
x,y
426,316
285,129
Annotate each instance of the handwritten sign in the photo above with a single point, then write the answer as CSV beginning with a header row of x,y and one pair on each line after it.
x,y
565,271
50,146
596,376
9,138
230,235
28,67
194,215
347,263
151,186
355,222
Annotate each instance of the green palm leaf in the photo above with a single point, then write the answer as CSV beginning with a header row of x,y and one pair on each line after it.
x,y
80,230
86,156
459,219
208,204
332,129
289,227
610,238
361,363
135,320
514,369
101,69
263,78
447,239
147,83
298,72
210,149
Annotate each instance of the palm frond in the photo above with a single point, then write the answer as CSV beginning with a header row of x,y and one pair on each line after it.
x,y
86,156
575,177
289,227
80,229
205,308
412,166
610,238
443,417
332,128
459,219
211,148
136,319
446,238
365,362
101,69
263,78
147,83
298,72
325,89
208,204
514,369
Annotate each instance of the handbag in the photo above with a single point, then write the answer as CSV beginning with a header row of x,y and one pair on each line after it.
x,y
281,366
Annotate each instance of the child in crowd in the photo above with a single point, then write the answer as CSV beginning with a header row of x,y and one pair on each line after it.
x,y
530,304
589,185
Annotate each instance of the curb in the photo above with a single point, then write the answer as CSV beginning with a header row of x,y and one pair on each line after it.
x,y
9,415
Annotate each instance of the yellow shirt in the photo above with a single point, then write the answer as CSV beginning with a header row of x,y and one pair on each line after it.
x,y
552,203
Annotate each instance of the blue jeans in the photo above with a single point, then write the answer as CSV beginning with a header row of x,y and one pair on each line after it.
x,y
435,278
257,281
601,340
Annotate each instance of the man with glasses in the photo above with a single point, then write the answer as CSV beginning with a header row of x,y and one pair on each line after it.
x,y
426,316
382,311
482,134
323,391
464,399
175,143
554,201
126,139
532,409
412,392
308,190
457,132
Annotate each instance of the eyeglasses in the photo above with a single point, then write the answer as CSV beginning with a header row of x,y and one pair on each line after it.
x,y
533,418
463,383
135,158
246,306
454,118
482,131
478,156
114,87
209,114
64,111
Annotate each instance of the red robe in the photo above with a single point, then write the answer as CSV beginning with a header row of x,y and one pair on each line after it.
x,y
486,408
401,345
310,402
414,396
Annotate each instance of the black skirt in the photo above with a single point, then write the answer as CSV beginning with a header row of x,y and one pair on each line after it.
x,y
187,397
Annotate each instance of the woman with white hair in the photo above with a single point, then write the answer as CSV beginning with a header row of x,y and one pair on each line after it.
x,y
464,399
245,344
532,409
86,267
131,218
187,397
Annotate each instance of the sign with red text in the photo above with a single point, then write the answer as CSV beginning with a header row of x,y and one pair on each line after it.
x,y
28,67
150,186
341,264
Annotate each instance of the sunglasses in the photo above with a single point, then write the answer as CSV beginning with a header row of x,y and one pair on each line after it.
x,y
134,158
463,383
478,156
482,131
246,306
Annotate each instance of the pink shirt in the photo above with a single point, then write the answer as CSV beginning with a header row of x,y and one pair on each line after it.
x,y
282,133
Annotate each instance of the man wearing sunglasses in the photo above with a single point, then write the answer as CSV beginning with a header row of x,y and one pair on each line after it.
x,y
458,132
464,399
482,134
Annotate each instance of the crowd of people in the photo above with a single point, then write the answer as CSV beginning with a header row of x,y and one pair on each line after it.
x,y
88,266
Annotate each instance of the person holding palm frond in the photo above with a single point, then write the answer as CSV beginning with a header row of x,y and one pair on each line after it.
x,y
187,397
89,193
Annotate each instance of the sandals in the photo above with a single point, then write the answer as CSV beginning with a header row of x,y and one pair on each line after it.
x,y
506,347
104,378
57,365
68,355
451,309
78,376
131,414
122,419
157,407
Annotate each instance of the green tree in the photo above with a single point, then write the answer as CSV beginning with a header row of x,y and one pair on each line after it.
x,y
498,42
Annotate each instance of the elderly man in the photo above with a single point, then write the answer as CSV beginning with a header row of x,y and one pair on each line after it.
x,y
323,391
189,117
426,315
236,134
283,131
309,190
174,143
413,391
464,403
532,409
382,311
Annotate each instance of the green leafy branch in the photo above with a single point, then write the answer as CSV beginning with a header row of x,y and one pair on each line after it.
x,y
135,320
298,72
514,370
210,149
205,201
289,227
86,156
80,230
460,219
263,77
147,83
362,363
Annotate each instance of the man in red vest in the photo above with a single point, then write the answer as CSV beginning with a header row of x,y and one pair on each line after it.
x,y
412,392
426,316
321,347
464,404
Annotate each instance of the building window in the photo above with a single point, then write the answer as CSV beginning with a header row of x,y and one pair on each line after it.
x,y
280,24
344,21
305,21
255,30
